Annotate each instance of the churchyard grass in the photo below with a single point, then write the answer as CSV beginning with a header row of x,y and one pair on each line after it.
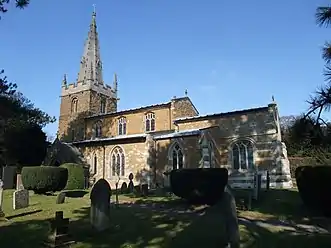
x,y
162,222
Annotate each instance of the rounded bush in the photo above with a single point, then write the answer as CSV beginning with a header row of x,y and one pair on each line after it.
x,y
201,185
313,183
76,176
42,179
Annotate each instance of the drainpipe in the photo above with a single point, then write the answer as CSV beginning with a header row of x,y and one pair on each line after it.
x,y
104,162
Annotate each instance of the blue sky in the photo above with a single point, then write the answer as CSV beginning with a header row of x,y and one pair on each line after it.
x,y
228,54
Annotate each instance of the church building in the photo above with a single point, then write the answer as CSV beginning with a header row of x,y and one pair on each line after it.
x,y
149,141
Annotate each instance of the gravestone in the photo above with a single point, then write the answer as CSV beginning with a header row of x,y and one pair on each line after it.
x,y
19,184
59,232
2,214
131,185
124,188
231,219
100,205
61,198
20,199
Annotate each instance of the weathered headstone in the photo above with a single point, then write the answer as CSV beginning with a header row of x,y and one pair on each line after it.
x,y
2,214
61,198
100,205
231,219
19,184
59,232
131,185
20,199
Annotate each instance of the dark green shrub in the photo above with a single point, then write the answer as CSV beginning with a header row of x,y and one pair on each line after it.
x,y
313,183
137,191
124,188
76,176
144,190
42,179
201,185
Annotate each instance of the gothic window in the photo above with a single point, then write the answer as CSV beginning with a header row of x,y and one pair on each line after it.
x,y
103,106
122,126
176,157
74,105
117,162
242,155
150,122
94,164
98,129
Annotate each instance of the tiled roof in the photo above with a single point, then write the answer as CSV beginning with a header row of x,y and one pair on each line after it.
x,y
208,116
178,134
120,137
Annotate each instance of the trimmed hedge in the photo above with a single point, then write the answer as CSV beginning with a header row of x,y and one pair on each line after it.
x,y
314,185
42,179
201,185
76,176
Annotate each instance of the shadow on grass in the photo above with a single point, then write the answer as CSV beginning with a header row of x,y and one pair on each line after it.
x,y
75,193
148,223
23,214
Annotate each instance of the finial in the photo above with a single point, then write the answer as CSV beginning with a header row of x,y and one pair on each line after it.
x,y
186,92
64,81
273,98
94,9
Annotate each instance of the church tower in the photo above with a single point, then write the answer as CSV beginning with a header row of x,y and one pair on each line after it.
x,y
89,95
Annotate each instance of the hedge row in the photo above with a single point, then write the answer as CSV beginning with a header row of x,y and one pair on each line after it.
x,y
199,185
42,179
313,183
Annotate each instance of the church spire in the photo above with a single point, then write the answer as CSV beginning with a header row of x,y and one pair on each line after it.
x,y
90,65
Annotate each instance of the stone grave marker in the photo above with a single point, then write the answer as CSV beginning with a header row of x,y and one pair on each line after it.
x,y
19,184
231,219
59,232
20,199
100,205
2,214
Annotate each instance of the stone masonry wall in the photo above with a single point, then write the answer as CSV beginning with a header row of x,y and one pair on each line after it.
x,y
135,161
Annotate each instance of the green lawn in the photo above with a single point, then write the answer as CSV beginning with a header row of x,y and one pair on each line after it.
x,y
160,222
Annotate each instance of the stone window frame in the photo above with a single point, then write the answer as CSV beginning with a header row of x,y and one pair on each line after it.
x,y
150,122
74,105
94,163
170,155
242,141
98,129
103,105
122,125
117,157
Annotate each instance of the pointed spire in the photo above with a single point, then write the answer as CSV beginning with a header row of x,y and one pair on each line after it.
x,y
115,83
91,66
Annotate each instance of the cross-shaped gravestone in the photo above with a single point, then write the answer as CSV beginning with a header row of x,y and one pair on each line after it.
x,y
2,214
59,233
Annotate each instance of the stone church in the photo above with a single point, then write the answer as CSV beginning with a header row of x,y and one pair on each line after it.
x,y
150,140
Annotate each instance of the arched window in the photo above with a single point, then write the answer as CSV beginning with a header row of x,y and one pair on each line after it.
x,y
176,157
103,106
98,129
117,162
74,105
122,126
94,164
242,155
150,122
